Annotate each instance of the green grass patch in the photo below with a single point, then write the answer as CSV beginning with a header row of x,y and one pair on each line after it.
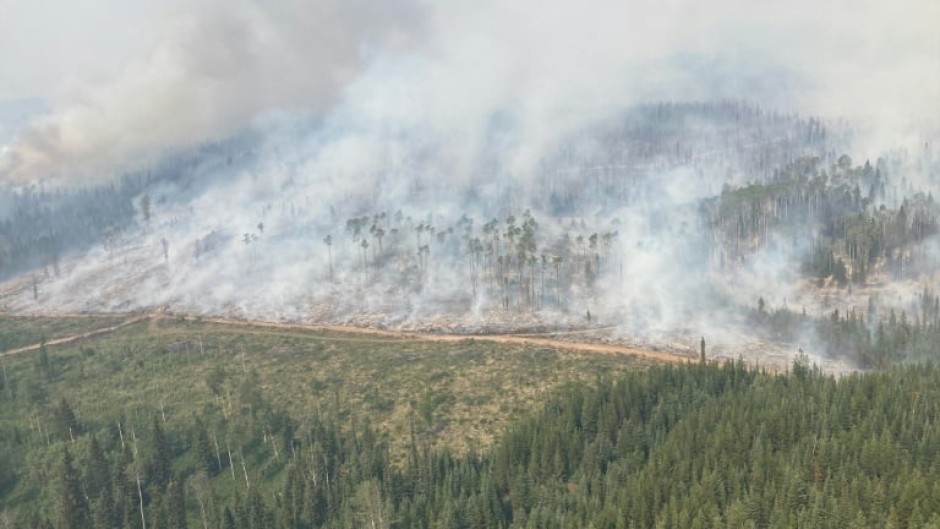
x,y
457,395
19,331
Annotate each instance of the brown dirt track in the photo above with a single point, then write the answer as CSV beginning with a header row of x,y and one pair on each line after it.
x,y
514,339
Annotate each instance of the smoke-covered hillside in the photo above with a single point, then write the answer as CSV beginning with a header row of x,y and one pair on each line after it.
x,y
752,174
666,221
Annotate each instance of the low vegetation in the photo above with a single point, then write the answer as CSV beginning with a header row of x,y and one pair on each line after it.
x,y
256,395
186,424
20,331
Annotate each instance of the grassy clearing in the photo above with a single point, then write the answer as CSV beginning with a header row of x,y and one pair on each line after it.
x,y
19,331
457,395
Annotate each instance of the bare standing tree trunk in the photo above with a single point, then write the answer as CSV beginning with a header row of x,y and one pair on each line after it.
x,y
277,456
202,509
140,494
6,382
241,456
329,251
218,456
371,508
231,465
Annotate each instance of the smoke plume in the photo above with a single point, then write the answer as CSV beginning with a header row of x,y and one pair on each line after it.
x,y
399,129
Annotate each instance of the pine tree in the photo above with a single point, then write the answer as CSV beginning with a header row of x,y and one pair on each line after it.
x,y
158,466
97,471
256,511
103,511
66,422
204,454
157,518
176,505
315,504
228,519
73,509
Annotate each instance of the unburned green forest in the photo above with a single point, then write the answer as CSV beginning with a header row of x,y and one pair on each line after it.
x,y
186,424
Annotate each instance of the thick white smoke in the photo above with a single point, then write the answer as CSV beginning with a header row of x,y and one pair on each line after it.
x,y
554,65
441,109
207,74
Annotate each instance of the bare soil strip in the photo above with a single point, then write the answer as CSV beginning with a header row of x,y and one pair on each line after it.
x,y
76,337
512,339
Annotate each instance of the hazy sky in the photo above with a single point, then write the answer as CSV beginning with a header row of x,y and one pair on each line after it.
x,y
45,44
124,79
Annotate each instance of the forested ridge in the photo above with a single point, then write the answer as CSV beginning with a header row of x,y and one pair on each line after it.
x,y
309,432
464,264
705,445
525,261
871,338
574,238
844,222
40,226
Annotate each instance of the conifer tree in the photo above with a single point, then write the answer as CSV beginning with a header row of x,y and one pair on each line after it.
x,y
204,454
73,509
176,505
158,466
97,470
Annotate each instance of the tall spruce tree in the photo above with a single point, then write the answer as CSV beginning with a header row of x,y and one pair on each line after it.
x,y
73,509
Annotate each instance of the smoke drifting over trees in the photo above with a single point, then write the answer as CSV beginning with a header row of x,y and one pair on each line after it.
x,y
206,71
488,164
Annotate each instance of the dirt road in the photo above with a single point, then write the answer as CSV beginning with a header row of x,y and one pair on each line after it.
x,y
514,339
76,337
